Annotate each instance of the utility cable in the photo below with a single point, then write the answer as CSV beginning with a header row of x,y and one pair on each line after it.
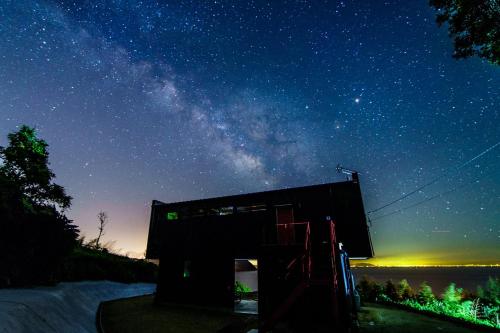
x,y
442,194
443,174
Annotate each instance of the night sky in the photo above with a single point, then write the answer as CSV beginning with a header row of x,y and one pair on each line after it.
x,y
178,100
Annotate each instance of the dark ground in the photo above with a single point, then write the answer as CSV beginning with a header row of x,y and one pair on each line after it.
x,y
138,314
375,318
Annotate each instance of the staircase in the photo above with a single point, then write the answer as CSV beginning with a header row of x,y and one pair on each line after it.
x,y
304,271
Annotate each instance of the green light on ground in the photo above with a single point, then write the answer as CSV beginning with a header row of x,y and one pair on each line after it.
x,y
187,269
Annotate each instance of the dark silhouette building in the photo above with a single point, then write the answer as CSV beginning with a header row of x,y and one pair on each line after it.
x,y
300,237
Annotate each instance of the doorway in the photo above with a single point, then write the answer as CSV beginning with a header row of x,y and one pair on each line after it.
x,y
246,286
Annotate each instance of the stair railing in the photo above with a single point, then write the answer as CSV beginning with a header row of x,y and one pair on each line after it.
x,y
302,261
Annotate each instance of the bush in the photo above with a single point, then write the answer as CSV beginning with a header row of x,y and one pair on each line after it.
x,y
425,295
471,311
240,289
33,247
90,264
390,291
491,313
404,290
369,290
452,296
452,304
491,293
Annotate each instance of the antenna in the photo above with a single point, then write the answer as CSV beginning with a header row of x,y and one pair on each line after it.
x,y
352,175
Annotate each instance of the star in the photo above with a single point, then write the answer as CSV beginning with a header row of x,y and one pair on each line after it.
x,y
157,100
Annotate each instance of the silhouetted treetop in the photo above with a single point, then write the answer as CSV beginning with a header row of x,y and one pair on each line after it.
x,y
25,162
35,235
474,25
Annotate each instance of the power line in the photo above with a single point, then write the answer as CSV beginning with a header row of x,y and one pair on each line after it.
x,y
443,174
442,194
418,203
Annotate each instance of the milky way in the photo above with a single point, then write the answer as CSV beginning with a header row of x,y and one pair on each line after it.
x,y
143,100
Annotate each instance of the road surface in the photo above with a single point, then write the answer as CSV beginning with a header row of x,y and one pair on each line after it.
x,y
68,307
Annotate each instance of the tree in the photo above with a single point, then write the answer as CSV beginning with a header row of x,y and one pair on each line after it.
x,y
369,290
102,217
491,293
452,296
26,164
391,291
473,24
35,236
404,290
425,295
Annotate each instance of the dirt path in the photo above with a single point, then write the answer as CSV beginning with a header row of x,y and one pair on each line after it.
x,y
376,318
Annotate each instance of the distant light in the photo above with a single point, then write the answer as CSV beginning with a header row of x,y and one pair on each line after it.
x,y
356,100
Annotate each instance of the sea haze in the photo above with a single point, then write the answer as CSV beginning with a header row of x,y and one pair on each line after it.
x,y
437,277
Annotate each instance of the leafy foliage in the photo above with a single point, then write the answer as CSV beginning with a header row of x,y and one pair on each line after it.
x,y
369,290
471,311
404,290
87,263
425,295
26,163
474,26
452,295
240,289
391,291
491,293
482,310
35,236
470,308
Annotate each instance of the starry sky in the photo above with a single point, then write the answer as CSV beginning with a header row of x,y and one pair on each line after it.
x,y
178,100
